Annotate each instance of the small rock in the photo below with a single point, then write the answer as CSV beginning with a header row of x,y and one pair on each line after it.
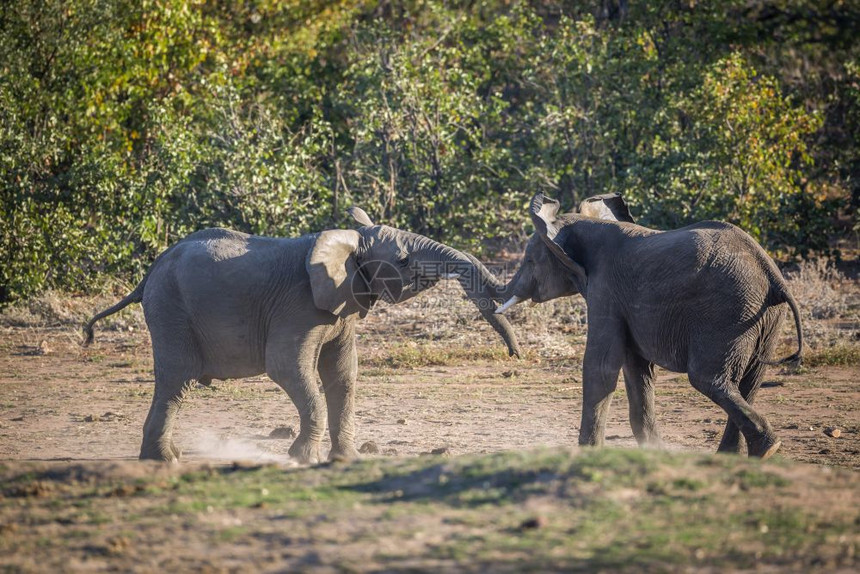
x,y
92,418
833,431
117,545
390,452
369,447
283,432
533,523
401,421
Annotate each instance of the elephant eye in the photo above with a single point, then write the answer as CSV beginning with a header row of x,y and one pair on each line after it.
x,y
403,262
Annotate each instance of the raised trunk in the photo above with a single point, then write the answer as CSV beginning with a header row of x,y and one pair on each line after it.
x,y
481,287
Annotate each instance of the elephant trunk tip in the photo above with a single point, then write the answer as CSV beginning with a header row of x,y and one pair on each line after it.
x,y
89,335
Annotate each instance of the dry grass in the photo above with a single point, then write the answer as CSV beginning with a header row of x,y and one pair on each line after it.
x,y
443,318
441,326
411,354
57,309
840,355
830,307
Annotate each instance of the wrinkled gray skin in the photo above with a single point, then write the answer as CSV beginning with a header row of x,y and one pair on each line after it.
x,y
221,304
705,300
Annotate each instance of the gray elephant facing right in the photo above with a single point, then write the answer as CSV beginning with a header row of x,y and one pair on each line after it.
x,y
221,304
705,300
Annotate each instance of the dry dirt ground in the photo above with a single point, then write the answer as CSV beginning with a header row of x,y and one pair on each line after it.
x,y
433,379
70,404
423,385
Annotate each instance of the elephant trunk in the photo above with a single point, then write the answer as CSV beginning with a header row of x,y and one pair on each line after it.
x,y
481,286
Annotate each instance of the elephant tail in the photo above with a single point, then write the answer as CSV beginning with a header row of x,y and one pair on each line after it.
x,y
797,357
135,296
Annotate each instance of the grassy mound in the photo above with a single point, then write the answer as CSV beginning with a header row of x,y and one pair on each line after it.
x,y
547,510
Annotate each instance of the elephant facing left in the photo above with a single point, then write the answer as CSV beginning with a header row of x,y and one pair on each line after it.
x,y
222,304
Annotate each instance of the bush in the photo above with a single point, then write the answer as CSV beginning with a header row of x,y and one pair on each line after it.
x,y
124,127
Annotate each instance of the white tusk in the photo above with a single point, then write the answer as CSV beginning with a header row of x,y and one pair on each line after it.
x,y
508,304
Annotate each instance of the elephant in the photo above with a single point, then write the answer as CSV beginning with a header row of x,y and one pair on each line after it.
x,y
222,304
705,300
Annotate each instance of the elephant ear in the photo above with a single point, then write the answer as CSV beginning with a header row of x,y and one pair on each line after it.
x,y
543,212
336,284
609,206
360,216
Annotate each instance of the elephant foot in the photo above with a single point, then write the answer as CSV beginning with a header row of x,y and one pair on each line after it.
x,y
164,454
732,445
591,441
765,448
729,448
162,449
343,454
305,451
177,454
732,441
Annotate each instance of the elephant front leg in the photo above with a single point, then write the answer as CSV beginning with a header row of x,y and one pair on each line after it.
x,y
338,369
639,381
297,376
600,369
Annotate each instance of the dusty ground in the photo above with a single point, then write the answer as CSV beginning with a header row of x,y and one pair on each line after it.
x,y
432,379
422,386
72,404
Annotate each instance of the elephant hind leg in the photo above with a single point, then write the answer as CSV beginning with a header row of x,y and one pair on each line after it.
x,y
158,429
639,382
761,440
748,387
178,365
338,368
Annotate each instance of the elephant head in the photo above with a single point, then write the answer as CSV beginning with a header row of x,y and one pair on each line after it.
x,y
352,269
547,271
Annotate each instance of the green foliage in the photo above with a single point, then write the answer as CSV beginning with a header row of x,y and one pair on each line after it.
x,y
738,152
126,125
